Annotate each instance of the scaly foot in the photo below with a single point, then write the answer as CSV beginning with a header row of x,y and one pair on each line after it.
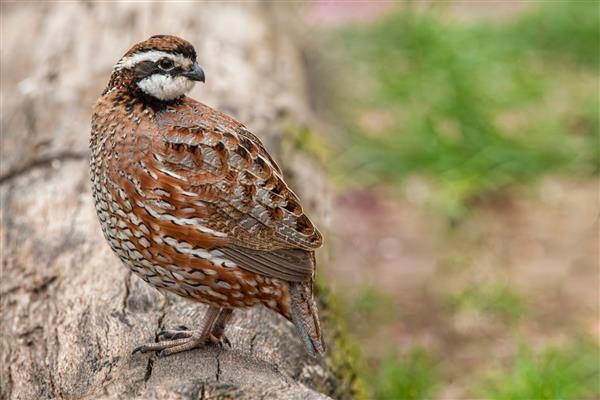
x,y
171,341
175,341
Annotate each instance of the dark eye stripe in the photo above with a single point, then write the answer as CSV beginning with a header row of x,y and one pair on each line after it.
x,y
173,72
148,68
166,64
144,69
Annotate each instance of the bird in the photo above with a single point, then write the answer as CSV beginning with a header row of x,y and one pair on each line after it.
x,y
192,202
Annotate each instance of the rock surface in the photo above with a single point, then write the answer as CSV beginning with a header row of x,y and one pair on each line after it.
x,y
70,312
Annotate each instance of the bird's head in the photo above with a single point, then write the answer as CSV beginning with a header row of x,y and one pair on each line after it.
x,y
163,67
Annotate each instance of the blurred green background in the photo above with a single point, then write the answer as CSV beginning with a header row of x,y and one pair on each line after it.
x,y
466,154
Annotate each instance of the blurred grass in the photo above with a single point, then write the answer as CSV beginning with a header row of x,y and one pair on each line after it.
x,y
472,108
412,376
496,300
370,304
572,372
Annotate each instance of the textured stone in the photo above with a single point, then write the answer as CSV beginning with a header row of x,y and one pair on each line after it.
x,y
70,312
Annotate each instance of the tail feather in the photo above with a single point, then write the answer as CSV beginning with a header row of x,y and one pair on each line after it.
x,y
306,317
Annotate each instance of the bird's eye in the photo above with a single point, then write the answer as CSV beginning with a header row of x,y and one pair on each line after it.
x,y
166,64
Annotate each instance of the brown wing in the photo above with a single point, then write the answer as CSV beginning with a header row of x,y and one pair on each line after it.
x,y
287,264
225,170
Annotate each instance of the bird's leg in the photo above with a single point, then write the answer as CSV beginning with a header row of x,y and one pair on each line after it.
x,y
218,328
179,332
179,340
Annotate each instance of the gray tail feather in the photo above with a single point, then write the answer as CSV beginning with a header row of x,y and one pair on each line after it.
x,y
305,316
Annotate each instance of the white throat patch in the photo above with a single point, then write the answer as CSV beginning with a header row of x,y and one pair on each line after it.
x,y
161,86
166,87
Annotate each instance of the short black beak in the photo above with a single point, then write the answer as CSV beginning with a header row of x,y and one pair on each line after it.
x,y
195,74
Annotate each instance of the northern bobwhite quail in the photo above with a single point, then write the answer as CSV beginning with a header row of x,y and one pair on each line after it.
x,y
191,201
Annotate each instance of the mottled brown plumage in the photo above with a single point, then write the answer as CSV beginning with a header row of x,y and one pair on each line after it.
x,y
191,201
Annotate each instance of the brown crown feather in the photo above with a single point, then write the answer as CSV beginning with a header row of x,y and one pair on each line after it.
x,y
166,43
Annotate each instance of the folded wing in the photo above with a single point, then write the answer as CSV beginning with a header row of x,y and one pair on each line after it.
x,y
215,166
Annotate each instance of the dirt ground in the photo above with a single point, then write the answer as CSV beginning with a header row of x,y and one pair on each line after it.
x,y
399,266
541,242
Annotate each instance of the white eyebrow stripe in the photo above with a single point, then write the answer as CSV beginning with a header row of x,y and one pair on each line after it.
x,y
152,55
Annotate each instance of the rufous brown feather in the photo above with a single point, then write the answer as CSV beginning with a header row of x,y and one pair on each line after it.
x,y
192,202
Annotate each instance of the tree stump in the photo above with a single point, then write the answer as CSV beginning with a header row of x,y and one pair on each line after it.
x,y
70,312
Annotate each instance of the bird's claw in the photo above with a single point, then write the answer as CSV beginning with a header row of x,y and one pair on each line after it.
x,y
225,340
181,332
139,349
